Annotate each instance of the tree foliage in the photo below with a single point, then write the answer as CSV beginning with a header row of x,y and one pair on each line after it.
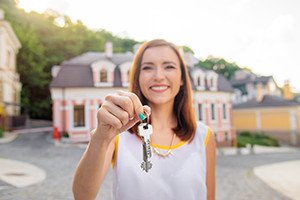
x,y
44,44
220,65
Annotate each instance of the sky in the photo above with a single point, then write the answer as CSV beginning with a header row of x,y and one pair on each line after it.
x,y
263,35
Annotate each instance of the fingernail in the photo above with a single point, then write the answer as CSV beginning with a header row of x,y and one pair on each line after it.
x,y
141,116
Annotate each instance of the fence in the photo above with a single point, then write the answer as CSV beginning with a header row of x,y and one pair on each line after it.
x,y
9,123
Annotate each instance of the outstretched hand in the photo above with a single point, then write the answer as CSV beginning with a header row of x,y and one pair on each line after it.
x,y
119,112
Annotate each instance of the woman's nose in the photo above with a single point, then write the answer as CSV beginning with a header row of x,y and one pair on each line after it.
x,y
159,73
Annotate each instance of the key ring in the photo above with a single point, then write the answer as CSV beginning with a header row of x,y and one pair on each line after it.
x,y
146,118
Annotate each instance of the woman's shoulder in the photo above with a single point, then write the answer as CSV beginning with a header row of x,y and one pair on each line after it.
x,y
201,126
202,130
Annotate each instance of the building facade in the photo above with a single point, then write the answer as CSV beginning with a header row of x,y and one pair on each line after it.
x,y
273,115
10,85
80,84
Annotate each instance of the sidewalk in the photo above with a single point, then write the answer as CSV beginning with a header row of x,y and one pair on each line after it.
x,y
256,150
20,174
283,177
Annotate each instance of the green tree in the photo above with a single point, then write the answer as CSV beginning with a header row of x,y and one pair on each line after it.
x,y
220,65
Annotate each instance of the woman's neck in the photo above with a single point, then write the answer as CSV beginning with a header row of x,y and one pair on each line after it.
x,y
162,117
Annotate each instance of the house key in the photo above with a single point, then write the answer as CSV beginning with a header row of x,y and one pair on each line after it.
x,y
145,131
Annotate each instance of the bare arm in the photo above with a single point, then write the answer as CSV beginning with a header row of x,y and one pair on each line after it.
x,y
118,112
92,169
211,167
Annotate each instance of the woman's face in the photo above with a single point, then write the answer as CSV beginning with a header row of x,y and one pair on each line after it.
x,y
160,75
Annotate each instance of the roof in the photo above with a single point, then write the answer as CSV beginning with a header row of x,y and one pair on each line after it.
x,y
223,84
73,76
90,57
267,101
259,79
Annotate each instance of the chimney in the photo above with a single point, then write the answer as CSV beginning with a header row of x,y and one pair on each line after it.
x,y
108,49
55,70
259,92
1,14
287,93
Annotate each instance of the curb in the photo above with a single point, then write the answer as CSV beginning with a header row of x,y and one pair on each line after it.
x,y
8,137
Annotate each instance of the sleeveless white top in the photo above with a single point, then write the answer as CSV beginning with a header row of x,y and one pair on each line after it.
x,y
176,177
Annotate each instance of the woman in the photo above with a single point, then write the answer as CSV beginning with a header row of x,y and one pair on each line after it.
x,y
183,155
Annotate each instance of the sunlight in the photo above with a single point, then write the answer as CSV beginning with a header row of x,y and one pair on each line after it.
x,y
30,5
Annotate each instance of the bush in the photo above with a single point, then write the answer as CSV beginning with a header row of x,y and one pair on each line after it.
x,y
66,134
258,138
1,133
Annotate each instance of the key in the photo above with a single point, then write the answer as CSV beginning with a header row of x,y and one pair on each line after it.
x,y
145,131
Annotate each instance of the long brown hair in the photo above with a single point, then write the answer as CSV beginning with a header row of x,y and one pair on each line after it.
x,y
183,103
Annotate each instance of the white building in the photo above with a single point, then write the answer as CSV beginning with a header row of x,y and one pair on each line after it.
x,y
10,85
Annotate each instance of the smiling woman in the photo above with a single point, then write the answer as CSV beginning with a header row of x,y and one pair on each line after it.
x,y
183,166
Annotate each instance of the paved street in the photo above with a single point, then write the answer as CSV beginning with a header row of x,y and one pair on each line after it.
x,y
235,177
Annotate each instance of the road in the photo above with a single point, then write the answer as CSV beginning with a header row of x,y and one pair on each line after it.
x,y
235,177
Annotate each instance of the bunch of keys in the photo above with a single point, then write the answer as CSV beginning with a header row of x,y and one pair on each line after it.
x,y
145,131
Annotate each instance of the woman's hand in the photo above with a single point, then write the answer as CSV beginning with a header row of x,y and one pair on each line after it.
x,y
119,112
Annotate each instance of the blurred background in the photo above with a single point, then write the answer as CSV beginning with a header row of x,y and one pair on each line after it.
x,y
59,58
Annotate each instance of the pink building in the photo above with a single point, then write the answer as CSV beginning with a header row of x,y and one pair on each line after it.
x,y
80,84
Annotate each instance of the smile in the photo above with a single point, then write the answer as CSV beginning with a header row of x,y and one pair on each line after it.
x,y
159,88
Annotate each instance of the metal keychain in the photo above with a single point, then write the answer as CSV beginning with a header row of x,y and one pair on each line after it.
x,y
145,130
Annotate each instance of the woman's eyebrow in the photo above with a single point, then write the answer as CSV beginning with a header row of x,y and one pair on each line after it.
x,y
169,62
147,63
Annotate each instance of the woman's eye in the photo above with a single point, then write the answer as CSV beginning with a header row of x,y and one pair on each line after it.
x,y
147,68
170,67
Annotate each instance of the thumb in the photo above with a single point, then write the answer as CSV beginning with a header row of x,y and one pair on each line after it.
x,y
147,110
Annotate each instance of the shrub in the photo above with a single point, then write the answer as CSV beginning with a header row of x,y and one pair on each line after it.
x,y
1,133
66,134
258,138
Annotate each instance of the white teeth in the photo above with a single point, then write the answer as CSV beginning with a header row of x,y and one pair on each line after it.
x,y
159,87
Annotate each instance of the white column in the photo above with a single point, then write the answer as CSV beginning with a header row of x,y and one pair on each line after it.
x,y
293,127
258,121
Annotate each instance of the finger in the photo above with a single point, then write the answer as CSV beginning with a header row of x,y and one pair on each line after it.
x,y
117,111
122,101
138,107
105,117
130,124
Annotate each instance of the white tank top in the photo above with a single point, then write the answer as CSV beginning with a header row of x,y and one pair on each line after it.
x,y
176,177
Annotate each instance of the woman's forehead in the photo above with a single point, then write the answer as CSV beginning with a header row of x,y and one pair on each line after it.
x,y
160,53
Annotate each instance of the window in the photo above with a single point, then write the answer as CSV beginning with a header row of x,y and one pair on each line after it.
x,y
226,136
103,75
79,116
213,112
211,82
224,111
200,111
199,81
